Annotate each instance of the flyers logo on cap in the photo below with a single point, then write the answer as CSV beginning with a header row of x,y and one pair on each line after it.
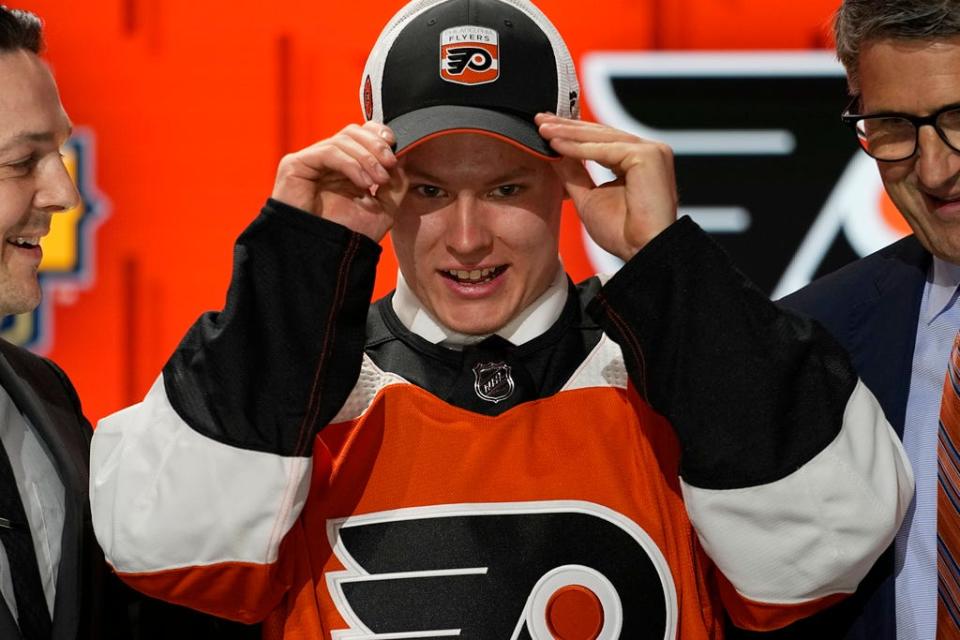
x,y
469,55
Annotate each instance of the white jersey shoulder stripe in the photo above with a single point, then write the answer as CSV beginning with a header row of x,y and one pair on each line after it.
x,y
187,500
813,533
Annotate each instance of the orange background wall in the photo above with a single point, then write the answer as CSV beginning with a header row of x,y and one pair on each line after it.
x,y
193,103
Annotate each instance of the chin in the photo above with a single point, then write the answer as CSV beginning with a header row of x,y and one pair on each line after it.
x,y
19,301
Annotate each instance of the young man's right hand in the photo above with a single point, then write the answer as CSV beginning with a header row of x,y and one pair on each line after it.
x,y
350,178
623,215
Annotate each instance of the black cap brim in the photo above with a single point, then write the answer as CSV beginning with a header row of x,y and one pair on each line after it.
x,y
418,126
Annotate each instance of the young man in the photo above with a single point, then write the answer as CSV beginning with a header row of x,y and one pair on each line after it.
x,y
896,311
491,451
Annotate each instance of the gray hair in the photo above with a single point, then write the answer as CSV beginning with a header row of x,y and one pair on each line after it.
x,y
860,21
20,30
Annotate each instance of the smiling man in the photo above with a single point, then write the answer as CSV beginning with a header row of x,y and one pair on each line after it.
x,y
492,451
896,311
46,550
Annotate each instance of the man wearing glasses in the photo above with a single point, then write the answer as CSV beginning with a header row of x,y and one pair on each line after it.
x,y
896,311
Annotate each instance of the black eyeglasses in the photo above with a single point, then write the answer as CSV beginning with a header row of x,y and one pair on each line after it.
x,y
892,137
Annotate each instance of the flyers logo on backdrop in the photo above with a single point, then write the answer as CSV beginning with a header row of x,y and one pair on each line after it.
x,y
483,571
68,251
762,158
469,55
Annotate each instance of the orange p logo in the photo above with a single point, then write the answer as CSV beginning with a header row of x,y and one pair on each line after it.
x,y
469,55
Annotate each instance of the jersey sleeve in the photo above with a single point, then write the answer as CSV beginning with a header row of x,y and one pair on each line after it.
x,y
791,475
194,489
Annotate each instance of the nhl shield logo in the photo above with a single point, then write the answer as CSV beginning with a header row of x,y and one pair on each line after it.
x,y
469,55
492,381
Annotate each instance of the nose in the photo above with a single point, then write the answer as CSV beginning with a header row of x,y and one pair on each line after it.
x,y
56,190
937,164
469,237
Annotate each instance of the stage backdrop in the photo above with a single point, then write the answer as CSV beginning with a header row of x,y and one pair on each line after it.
x,y
182,110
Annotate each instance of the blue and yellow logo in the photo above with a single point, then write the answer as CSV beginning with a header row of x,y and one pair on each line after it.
x,y
68,251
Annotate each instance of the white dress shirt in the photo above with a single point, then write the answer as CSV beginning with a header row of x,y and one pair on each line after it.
x,y
42,494
916,543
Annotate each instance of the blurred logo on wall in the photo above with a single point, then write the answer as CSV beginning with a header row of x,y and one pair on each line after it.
x,y
762,159
68,251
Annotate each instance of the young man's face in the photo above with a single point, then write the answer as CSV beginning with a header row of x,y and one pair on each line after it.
x,y
477,236
919,77
34,183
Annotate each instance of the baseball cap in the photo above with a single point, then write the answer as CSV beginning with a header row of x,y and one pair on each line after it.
x,y
478,66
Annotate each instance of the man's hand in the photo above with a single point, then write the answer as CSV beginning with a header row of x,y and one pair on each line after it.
x,y
351,179
623,215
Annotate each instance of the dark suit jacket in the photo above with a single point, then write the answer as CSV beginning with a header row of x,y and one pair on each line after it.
x,y
91,603
871,307
42,392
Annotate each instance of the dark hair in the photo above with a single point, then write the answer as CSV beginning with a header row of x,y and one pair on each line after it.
x,y
20,30
860,21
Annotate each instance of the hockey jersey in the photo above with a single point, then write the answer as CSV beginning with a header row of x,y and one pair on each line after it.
x,y
674,446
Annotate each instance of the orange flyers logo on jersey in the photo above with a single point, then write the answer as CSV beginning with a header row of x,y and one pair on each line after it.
x,y
600,576
555,514
469,55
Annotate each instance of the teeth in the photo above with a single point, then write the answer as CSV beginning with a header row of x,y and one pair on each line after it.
x,y
474,276
31,241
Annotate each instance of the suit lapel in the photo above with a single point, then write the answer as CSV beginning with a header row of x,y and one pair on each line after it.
x,y
68,450
883,328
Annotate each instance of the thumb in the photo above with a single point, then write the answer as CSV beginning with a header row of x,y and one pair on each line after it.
x,y
391,194
576,179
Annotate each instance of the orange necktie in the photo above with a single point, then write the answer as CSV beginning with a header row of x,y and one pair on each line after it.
x,y
948,503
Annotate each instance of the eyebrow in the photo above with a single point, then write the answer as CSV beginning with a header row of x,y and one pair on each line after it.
x,y
889,112
33,136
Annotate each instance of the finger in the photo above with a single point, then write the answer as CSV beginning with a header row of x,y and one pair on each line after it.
x,y
584,132
338,160
375,138
353,145
341,154
619,157
382,131
547,116
301,176
391,194
608,154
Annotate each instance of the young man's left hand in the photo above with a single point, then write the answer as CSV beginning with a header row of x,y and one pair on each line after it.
x,y
623,215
